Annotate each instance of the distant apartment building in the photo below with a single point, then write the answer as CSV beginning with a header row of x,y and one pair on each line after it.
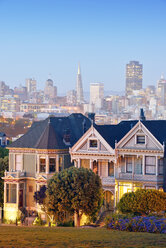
x,y
9,103
97,95
4,89
21,92
133,77
71,97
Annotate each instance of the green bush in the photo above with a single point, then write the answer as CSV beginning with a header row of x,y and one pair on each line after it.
x,y
38,221
143,201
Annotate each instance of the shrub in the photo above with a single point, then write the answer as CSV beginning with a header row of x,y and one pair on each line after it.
x,y
143,202
38,221
138,224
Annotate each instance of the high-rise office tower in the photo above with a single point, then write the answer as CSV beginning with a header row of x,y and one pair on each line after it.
x,y
133,77
97,95
161,90
31,85
79,89
50,91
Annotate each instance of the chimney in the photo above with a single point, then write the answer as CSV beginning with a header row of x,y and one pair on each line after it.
x,y
91,117
142,116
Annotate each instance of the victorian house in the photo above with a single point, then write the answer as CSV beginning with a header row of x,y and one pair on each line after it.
x,y
36,156
126,156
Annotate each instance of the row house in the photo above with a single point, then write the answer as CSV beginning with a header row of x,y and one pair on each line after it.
x,y
127,156
36,156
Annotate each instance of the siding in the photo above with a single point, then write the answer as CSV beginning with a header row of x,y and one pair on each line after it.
x,y
11,161
29,164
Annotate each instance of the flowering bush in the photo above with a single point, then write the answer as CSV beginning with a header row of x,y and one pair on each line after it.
x,y
139,224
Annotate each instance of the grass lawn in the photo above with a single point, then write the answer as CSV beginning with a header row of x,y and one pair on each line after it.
x,y
76,237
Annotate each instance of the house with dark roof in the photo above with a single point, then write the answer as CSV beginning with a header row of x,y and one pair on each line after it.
x,y
127,156
3,140
36,156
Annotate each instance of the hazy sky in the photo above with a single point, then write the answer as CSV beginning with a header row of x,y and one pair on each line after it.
x,y
38,37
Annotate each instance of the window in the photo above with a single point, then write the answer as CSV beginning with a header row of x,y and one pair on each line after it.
x,y
140,139
110,169
93,143
42,165
95,167
150,165
60,163
161,166
138,166
18,162
52,164
129,164
11,193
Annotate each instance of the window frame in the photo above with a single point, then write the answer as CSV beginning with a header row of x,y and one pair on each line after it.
x,y
52,164
149,165
93,147
9,193
42,171
127,171
140,143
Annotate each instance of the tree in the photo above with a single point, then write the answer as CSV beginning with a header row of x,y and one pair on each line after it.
x,y
143,201
40,195
74,191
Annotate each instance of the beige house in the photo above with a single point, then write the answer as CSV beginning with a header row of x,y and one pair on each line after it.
x,y
36,156
126,156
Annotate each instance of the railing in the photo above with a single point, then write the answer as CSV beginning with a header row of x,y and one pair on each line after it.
x,y
139,177
108,180
16,174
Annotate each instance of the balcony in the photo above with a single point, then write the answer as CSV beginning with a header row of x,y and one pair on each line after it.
x,y
108,180
15,174
139,177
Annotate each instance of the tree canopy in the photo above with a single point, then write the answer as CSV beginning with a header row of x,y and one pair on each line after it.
x,y
76,191
143,201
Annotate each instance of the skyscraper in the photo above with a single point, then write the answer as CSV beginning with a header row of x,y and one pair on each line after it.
x,y
79,89
97,95
31,85
133,77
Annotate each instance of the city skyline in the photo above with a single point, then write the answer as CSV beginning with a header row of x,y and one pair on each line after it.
x,y
45,37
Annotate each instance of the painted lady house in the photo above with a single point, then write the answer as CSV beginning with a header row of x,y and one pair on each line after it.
x,y
36,156
127,156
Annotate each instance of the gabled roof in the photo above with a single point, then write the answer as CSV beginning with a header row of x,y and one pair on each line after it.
x,y
49,133
114,133
157,128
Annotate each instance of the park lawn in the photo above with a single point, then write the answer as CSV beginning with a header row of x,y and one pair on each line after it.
x,y
67,237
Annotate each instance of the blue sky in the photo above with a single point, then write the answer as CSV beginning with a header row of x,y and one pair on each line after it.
x,y
38,37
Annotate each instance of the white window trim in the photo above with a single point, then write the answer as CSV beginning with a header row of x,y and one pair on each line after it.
x,y
93,148
21,161
140,134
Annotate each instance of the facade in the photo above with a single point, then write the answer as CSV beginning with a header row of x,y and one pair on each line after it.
x,y
79,88
97,95
127,156
36,156
133,77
